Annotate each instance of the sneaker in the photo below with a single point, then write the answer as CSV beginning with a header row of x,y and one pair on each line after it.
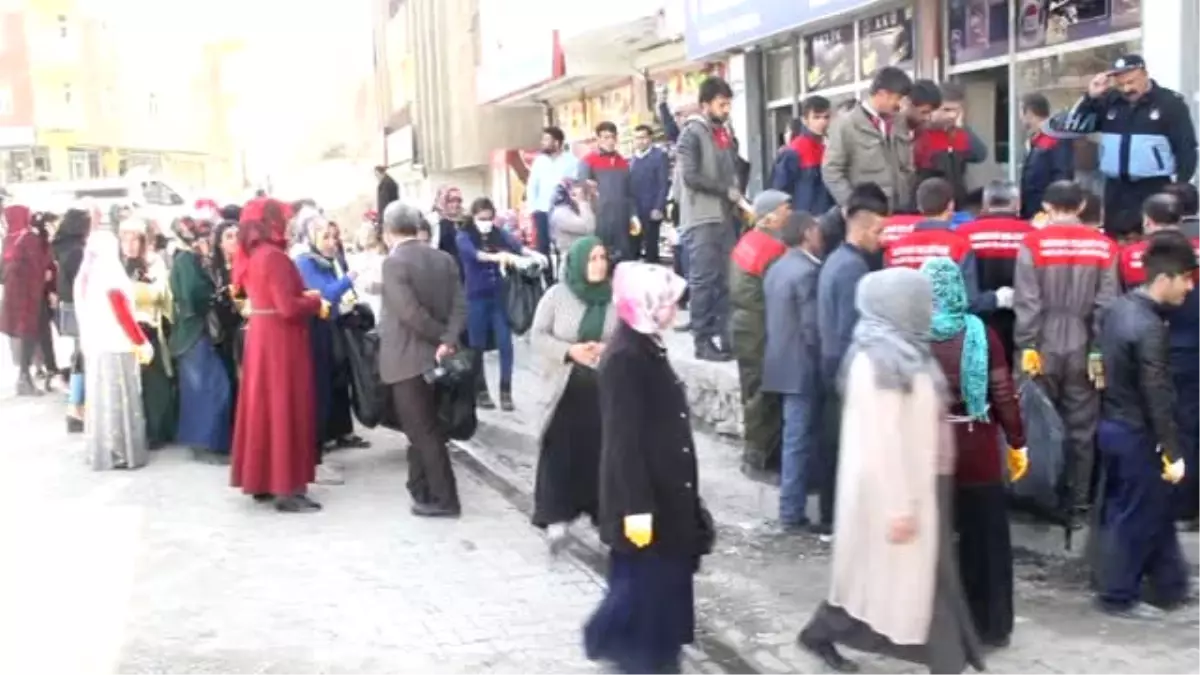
x,y
327,474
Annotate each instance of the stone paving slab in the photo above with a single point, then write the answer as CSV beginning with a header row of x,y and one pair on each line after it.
x,y
167,569
760,586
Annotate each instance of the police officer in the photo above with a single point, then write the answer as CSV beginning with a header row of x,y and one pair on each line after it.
x,y
1147,138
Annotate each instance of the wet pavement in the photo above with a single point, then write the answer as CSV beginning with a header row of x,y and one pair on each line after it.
x,y
758,588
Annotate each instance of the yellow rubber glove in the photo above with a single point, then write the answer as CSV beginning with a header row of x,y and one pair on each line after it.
x,y
1095,368
1031,362
1172,471
1018,463
323,313
639,529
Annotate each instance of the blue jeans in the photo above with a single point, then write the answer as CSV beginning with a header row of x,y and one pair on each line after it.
x,y
487,314
541,228
801,436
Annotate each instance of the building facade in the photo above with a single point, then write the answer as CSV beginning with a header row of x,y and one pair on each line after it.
x,y
999,50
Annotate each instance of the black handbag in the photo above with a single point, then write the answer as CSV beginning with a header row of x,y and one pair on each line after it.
x,y
522,291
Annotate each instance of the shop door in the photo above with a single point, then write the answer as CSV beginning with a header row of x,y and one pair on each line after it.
x,y
988,115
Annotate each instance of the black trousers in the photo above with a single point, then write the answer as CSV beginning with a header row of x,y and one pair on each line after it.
x,y
430,475
45,340
985,558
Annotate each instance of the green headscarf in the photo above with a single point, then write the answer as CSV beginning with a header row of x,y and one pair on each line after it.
x,y
950,318
596,296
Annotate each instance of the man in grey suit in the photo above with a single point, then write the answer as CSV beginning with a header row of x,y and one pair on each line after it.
x,y
424,311
792,360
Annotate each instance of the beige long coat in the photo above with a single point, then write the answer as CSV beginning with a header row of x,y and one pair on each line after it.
x,y
888,466
555,328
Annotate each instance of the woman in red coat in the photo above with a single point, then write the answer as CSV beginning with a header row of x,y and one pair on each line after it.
x,y
275,432
28,280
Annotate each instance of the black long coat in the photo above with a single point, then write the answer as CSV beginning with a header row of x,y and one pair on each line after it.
x,y
648,458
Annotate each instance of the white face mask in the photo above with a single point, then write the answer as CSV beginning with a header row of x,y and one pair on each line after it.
x,y
484,226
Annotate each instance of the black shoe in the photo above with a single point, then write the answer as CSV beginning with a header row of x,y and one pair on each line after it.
x,y
996,643
764,476
435,511
828,653
74,425
483,400
506,402
707,351
821,529
263,497
296,504
802,526
352,441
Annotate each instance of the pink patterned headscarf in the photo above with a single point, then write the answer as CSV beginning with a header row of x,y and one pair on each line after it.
x,y
643,293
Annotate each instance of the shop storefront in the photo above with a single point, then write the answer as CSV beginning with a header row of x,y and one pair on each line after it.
x,y
1002,50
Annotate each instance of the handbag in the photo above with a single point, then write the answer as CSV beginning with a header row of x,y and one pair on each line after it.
x,y
523,288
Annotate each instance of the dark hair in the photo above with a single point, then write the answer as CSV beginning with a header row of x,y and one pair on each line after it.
x,y
934,196
555,133
606,126
973,202
1162,209
1169,253
1064,195
818,105
796,126
424,227
953,92
1036,103
1186,195
378,168
75,223
867,197
644,128
219,264
714,87
925,93
402,220
1093,209
482,204
893,80
796,227
1000,195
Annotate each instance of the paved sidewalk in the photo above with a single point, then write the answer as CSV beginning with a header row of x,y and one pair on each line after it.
x,y
167,569
759,587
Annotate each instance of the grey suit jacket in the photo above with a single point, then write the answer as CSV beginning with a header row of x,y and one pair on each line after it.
x,y
791,360
423,307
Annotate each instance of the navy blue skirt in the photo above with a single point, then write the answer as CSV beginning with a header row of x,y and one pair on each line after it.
x,y
648,614
205,418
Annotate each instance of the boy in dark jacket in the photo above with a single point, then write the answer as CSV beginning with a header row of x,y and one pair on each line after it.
x,y
1047,158
798,165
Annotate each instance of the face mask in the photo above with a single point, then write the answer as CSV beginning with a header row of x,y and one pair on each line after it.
x,y
484,226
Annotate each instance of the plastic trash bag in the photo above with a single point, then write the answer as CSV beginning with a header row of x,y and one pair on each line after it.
x,y
1045,436
362,356
523,288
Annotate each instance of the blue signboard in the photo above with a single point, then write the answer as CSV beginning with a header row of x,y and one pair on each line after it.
x,y
714,26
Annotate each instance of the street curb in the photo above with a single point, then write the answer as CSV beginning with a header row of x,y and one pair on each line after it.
x,y
711,648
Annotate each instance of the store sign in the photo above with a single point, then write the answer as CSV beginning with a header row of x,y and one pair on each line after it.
x,y
885,40
714,26
830,57
1049,22
978,30
571,117
518,50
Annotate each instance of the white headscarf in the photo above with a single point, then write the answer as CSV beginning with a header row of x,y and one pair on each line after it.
x,y
100,272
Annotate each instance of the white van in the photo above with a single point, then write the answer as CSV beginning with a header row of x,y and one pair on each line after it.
x,y
154,197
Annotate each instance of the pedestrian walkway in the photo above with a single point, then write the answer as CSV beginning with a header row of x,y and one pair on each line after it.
x,y
167,569
760,586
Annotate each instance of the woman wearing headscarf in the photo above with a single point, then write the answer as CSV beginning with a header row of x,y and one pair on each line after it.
x,y
114,348
152,311
449,216
204,390
483,249
573,321
972,358
571,215
228,302
274,439
68,245
28,284
323,270
895,589
656,534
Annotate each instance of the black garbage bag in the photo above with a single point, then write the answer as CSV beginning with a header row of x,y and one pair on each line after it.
x,y
1039,491
359,346
454,397
523,288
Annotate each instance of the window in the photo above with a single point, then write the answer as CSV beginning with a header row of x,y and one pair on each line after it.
x,y
95,170
63,27
78,162
6,101
41,159
158,194
781,77
153,105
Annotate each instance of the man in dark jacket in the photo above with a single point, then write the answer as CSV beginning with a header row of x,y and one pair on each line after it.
x,y
616,214
757,250
944,146
1047,158
1138,438
650,171
1147,138
1065,275
792,361
837,314
708,195
386,192
798,164
995,238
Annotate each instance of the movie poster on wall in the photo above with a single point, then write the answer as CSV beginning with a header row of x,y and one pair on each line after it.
x,y
885,40
1042,23
978,30
830,57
